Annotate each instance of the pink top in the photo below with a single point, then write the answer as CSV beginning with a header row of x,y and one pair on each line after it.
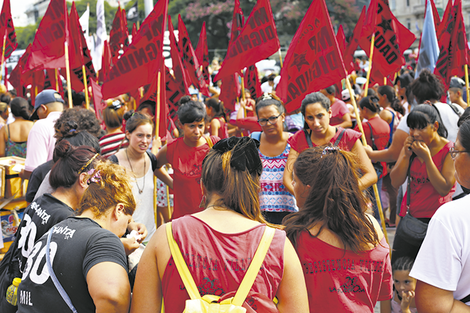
x,y
424,199
187,166
338,109
41,142
298,142
218,261
340,280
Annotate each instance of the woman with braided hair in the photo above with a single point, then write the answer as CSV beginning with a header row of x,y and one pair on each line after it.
x,y
221,241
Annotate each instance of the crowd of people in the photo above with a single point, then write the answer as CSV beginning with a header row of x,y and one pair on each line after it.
x,y
196,206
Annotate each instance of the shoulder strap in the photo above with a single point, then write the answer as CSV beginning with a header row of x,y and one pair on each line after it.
x,y
153,160
454,108
254,268
209,141
374,147
339,138
56,282
256,135
307,137
408,184
8,127
248,279
466,299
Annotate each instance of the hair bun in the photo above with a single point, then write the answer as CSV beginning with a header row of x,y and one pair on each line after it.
x,y
62,149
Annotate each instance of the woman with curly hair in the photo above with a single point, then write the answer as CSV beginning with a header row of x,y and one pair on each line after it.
x,y
345,257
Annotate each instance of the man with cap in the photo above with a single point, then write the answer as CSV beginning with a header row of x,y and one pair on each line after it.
x,y
48,107
456,92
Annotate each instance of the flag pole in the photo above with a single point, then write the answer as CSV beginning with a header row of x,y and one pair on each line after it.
x,y
67,70
86,87
364,142
3,52
56,80
370,66
280,57
466,84
157,128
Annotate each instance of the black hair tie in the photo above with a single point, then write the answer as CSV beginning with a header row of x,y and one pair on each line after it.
x,y
244,153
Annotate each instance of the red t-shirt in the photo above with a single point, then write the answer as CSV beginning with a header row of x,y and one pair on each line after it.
x,y
338,109
340,280
298,142
424,199
381,131
187,166
218,261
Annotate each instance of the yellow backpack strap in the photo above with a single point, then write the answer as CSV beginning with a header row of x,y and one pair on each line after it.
x,y
183,269
254,268
209,141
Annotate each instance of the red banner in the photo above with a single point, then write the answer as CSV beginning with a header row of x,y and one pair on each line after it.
x,y
48,49
388,50
141,60
106,63
18,80
179,71
252,81
78,53
190,61
6,25
313,61
119,35
174,92
229,91
257,41
98,102
348,55
453,47
202,54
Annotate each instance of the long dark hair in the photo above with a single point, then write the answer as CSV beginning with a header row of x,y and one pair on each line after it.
x,y
391,95
335,198
423,115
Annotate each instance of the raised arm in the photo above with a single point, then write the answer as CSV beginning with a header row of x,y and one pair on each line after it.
x,y
400,170
391,154
369,177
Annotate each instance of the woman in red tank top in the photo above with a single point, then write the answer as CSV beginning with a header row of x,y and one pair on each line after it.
x,y
219,242
344,254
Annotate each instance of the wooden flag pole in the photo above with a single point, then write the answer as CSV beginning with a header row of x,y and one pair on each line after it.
x,y
243,95
370,65
87,100
385,81
364,142
280,57
67,70
157,128
3,53
56,79
466,84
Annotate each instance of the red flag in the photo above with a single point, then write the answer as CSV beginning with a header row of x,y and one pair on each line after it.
x,y
118,36
174,92
257,41
179,71
446,17
98,102
348,55
17,79
52,82
202,54
388,56
370,21
152,94
78,53
312,62
106,62
190,61
141,60
238,20
252,81
452,45
435,14
341,39
229,91
6,26
134,31
48,49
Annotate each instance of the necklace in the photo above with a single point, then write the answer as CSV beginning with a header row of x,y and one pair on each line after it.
x,y
143,186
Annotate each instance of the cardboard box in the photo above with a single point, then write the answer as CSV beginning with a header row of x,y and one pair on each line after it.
x,y
11,183
9,225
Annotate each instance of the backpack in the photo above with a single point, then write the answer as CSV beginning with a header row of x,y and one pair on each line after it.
x,y
212,303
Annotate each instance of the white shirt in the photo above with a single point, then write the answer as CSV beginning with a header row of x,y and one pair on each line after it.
x,y
443,260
